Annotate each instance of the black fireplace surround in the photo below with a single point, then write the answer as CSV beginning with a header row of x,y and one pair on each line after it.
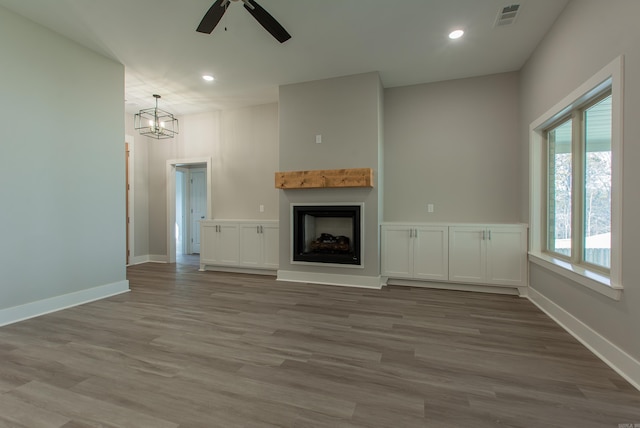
x,y
327,234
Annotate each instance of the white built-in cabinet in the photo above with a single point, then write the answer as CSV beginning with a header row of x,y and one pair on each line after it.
x,y
219,243
470,254
239,244
488,254
415,252
259,245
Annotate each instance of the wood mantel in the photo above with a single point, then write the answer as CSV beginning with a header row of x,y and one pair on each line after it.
x,y
325,178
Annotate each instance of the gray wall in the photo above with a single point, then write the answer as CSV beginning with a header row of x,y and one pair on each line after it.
x,y
62,165
453,144
346,111
587,36
244,178
243,145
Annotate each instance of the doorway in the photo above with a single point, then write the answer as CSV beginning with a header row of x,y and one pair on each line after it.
x,y
188,202
191,207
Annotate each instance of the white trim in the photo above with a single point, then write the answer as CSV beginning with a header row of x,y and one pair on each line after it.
x,y
358,281
138,260
620,361
590,279
128,139
54,304
148,258
159,258
171,198
332,265
213,268
611,74
514,291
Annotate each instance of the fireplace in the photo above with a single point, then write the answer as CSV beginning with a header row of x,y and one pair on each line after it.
x,y
327,234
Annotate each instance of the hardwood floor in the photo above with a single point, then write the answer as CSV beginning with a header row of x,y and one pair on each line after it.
x,y
203,349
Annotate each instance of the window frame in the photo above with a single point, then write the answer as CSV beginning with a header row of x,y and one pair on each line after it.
x,y
607,282
555,125
578,183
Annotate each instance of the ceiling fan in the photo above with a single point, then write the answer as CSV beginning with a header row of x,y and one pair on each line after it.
x,y
215,12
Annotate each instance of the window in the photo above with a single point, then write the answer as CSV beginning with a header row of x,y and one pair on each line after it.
x,y
560,175
576,181
579,184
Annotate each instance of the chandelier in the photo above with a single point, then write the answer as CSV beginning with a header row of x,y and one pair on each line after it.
x,y
155,122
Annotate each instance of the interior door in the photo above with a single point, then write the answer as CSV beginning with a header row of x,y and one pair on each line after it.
x,y
181,234
198,202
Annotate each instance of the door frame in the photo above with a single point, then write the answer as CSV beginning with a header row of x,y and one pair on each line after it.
x,y
128,139
172,164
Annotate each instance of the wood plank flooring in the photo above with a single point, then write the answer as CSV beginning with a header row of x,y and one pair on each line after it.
x,y
204,349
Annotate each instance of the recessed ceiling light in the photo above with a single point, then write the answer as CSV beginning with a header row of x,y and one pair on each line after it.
x,y
208,78
456,34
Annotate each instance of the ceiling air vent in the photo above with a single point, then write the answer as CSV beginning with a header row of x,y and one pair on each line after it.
x,y
507,15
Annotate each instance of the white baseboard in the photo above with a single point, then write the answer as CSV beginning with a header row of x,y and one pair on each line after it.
x,y
205,267
148,258
331,279
138,260
53,304
454,286
624,364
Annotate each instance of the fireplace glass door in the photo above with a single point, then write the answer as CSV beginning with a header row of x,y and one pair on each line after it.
x,y
327,234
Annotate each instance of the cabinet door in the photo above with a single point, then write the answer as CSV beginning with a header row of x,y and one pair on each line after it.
x,y
397,251
270,246
227,243
507,255
467,254
250,246
208,242
431,253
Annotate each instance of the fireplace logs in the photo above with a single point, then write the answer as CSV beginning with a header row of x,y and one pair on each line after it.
x,y
328,243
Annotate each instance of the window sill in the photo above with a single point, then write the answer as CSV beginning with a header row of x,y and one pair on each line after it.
x,y
593,280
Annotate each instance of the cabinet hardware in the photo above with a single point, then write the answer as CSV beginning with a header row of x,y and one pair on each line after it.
x,y
489,235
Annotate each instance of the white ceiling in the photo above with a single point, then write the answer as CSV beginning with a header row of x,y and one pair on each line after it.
x,y
405,40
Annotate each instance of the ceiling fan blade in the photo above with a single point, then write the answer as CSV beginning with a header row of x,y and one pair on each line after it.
x,y
212,17
267,21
